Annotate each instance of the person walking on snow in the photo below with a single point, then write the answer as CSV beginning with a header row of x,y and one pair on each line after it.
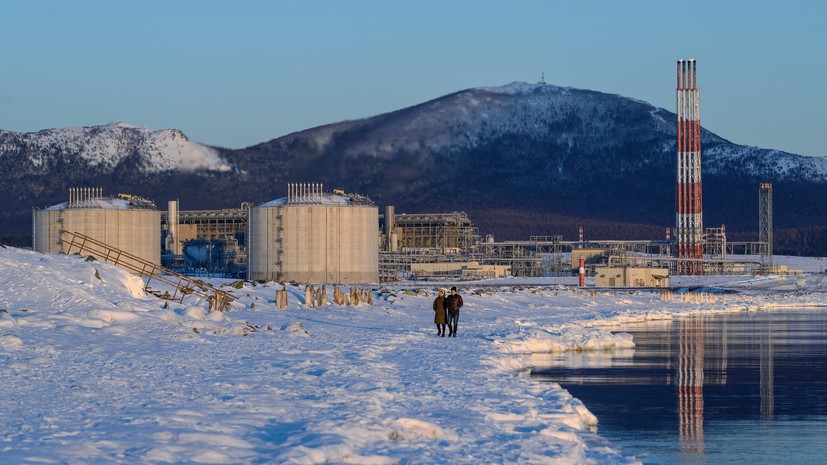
x,y
453,303
439,313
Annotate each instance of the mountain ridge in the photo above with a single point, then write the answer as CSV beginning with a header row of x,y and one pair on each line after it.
x,y
108,145
529,149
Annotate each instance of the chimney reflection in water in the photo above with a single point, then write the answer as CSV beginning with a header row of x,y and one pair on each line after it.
x,y
766,387
691,377
690,383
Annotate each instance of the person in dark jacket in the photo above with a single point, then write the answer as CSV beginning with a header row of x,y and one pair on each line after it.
x,y
439,313
452,304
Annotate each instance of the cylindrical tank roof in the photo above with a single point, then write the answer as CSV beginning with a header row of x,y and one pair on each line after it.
x,y
322,198
92,198
109,203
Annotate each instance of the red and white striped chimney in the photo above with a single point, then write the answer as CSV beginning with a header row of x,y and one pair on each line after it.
x,y
689,211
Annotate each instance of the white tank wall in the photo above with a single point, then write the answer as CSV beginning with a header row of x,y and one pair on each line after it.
x,y
137,232
316,244
261,247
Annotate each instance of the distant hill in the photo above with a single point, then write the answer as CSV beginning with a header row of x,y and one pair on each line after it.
x,y
521,159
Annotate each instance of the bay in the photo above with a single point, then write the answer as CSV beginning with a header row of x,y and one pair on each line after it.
x,y
747,387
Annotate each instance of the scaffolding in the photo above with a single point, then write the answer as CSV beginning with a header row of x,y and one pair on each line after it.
x,y
539,256
765,224
547,258
448,232
715,248
706,266
395,266
213,224
451,237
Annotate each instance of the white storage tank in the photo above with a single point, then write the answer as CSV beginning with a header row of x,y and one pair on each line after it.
x,y
126,222
312,236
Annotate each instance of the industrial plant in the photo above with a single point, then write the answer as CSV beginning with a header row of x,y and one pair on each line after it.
x,y
205,242
315,236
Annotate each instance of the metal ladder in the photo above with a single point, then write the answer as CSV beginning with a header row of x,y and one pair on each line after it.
x,y
77,243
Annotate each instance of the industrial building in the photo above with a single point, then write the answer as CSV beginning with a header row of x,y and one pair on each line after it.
x,y
212,242
428,245
629,276
465,270
127,222
443,232
312,236
588,255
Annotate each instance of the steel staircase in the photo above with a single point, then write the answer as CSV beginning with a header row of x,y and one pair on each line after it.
x,y
77,243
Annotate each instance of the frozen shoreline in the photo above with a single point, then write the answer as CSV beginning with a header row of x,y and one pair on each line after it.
x,y
97,372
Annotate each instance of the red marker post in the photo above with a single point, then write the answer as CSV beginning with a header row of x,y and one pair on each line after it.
x,y
582,273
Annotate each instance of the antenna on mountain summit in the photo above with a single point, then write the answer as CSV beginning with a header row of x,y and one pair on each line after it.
x,y
542,78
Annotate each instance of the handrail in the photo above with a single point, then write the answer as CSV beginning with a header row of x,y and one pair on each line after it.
x,y
184,286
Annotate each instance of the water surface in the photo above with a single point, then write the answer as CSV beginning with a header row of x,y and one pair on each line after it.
x,y
745,388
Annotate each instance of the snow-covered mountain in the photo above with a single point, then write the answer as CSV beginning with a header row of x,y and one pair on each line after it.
x,y
110,145
540,159
566,119
522,159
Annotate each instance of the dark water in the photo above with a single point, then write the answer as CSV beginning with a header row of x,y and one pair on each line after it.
x,y
745,388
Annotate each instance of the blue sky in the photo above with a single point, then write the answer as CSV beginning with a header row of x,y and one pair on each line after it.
x,y
235,74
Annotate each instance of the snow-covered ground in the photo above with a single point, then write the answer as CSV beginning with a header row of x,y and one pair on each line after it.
x,y
95,371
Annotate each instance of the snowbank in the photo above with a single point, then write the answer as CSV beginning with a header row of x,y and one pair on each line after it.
x,y
96,371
